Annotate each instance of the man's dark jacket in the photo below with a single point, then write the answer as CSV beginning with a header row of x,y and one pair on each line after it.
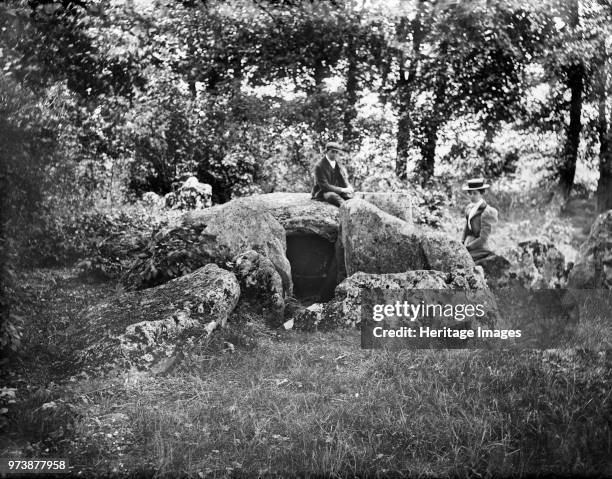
x,y
327,179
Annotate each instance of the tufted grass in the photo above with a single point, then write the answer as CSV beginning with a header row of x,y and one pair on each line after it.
x,y
314,404
318,405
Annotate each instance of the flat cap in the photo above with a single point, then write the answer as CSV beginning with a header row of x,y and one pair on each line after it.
x,y
332,145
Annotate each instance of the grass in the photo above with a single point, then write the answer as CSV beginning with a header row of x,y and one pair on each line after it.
x,y
316,404
319,405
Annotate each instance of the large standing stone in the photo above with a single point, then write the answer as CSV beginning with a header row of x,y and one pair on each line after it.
x,y
377,242
312,231
291,229
243,225
137,329
240,225
312,227
593,269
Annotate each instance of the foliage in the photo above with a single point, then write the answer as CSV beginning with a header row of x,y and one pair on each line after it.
x,y
176,136
75,42
112,242
103,244
174,89
430,205
169,253
28,130
105,102
27,141
11,323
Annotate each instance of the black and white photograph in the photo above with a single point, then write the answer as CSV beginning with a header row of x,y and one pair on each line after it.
x,y
305,238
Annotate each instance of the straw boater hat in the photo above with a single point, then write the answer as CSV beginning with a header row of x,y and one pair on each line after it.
x,y
475,184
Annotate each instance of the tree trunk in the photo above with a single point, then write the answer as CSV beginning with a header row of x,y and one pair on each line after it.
x,y
212,80
604,184
575,82
567,168
405,86
426,165
404,125
352,84
192,89
484,151
318,74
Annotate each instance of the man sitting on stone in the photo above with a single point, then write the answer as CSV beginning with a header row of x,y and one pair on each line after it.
x,y
331,183
479,220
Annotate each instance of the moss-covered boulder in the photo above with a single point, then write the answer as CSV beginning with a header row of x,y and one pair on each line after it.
x,y
139,329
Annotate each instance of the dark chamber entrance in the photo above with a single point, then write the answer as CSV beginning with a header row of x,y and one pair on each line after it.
x,y
313,267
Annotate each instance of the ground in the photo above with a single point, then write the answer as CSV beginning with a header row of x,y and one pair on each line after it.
x,y
260,402
306,404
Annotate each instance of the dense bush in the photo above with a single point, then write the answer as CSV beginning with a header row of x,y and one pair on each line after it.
x,y
110,250
175,135
101,243
168,254
28,141
430,208
10,321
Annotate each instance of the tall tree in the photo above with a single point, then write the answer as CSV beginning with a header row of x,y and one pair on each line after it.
x,y
600,24
408,64
434,119
465,59
352,85
362,59
604,130
566,59
575,73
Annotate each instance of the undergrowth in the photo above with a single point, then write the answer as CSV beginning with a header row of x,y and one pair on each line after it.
x,y
316,404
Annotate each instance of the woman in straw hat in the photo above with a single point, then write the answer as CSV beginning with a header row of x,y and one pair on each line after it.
x,y
479,220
